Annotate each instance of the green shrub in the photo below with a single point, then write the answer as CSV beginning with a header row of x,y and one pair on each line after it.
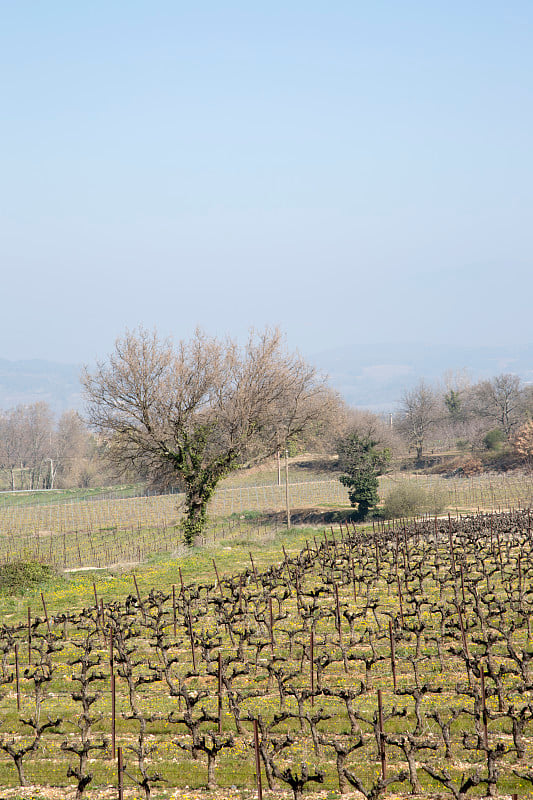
x,y
18,575
409,499
494,439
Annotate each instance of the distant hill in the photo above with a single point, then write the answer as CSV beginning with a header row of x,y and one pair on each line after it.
x,y
368,376
376,376
34,381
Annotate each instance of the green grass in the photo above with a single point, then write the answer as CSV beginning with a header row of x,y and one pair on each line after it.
x,y
19,576
230,540
21,499
75,590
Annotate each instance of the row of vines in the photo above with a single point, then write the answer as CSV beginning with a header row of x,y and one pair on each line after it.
x,y
103,532
397,660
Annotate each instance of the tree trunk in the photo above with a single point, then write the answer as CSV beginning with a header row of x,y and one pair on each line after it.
x,y
198,493
195,516
343,783
211,780
20,770
413,777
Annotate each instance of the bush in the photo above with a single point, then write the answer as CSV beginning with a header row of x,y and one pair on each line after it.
x,y
409,499
19,575
494,439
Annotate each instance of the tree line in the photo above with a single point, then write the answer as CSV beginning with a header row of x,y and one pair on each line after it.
x,y
460,426
487,415
185,415
38,451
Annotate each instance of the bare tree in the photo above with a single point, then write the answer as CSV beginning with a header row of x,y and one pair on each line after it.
x,y
26,434
10,443
38,430
500,400
368,425
37,454
419,414
75,452
201,407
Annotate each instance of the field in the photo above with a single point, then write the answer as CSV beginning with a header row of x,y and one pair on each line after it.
x,y
90,527
302,632
377,662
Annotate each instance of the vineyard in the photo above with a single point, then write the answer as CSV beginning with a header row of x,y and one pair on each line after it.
x,y
113,529
383,663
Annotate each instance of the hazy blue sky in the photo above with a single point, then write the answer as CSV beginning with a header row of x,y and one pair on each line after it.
x,y
351,171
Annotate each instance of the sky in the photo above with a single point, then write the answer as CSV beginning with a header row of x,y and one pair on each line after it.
x,y
351,172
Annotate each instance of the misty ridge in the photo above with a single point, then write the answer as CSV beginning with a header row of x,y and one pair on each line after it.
x,y
427,415
372,377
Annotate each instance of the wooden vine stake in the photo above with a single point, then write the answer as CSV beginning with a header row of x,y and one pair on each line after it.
x,y
139,597
271,624
462,583
465,644
297,587
500,553
113,716
382,738
46,613
191,636
257,762
174,608
406,565
120,775
102,611
463,634
113,695
400,599
338,612
17,675
392,654
29,636
219,693
450,537
312,648
484,706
